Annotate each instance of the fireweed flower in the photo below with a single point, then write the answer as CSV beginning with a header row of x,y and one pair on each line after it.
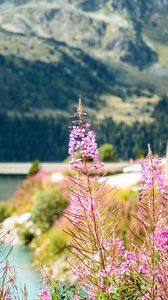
x,y
153,194
8,296
76,297
153,177
79,203
161,239
100,254
44,295
90,243
82,141
103,262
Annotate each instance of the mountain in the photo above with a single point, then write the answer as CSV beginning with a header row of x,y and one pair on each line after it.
x,y
112,53
118,29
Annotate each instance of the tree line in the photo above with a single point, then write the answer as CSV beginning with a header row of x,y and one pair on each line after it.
x,y
26,138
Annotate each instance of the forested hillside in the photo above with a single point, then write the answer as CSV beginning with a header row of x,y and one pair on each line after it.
x,y
25,138
112,54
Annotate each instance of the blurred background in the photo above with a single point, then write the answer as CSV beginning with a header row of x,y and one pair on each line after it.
x,y
111,53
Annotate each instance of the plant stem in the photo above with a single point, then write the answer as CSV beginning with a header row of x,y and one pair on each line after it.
x,y
153,235
96,234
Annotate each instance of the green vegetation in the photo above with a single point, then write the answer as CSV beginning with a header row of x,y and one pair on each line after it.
x,y
35,168
129,139
47,138
5,211
51,248
49,88
140,154
26,235
107,153
48,206
57,242
66,291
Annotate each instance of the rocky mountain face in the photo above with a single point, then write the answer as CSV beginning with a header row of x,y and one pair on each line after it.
x,y
112,27
82,48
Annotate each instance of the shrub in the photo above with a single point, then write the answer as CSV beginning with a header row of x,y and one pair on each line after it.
x,y
5,211
26,235
24,196
107,153
35,168
141,153
57,242
52,248
48,206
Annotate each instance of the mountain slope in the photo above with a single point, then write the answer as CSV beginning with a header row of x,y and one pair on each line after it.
x,y
112,53
62,74
60,50
104,28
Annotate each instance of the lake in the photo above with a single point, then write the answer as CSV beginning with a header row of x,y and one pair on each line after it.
x,y
9,184
20,256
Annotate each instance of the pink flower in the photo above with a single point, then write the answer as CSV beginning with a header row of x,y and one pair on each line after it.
x,y
102,273
107,245
143,266
119,245
8,296
161,239
80,205
153,177
82,140
81,271
44,295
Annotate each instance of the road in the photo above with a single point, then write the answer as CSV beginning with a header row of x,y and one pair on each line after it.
x,y
23,168
123,180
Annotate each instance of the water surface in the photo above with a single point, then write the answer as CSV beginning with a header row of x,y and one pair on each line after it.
x,y
21,258
9,184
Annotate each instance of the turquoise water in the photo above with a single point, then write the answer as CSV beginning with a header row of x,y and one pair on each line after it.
x,y
20,257
8,185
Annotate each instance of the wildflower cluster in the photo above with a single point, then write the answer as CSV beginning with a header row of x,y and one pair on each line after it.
x,y
153,177
44,295
105,268
82,141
